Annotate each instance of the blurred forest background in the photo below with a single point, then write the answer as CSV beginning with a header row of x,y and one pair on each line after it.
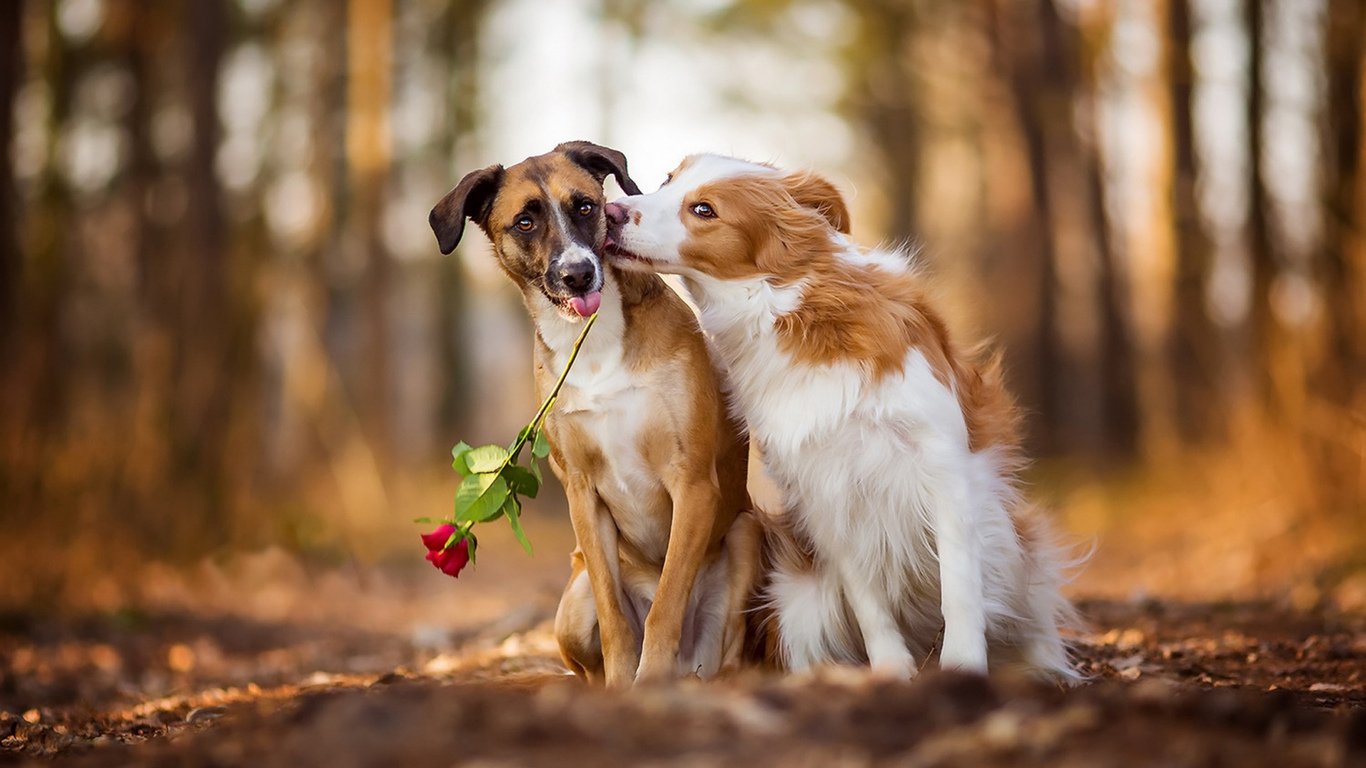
x,y
225,326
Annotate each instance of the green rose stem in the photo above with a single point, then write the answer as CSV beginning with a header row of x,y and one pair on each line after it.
x,y
554,393
493,478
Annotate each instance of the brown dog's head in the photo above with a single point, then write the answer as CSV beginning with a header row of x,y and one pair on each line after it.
x,y
545,218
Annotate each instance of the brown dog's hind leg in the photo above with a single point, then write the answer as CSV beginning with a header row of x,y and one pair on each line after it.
x,y
576,626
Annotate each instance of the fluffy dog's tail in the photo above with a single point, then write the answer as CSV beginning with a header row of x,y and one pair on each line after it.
x,y
799,618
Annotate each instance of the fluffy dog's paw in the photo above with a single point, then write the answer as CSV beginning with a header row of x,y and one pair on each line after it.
x,y
964,655
894,667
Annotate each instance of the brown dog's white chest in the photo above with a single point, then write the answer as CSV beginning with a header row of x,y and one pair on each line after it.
x,y
606,419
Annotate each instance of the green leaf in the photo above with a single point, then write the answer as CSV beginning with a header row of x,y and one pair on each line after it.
x,y
486,458
522,480
474,544
513,509
480,497
541,448
452,540
458,457
429,520
522,437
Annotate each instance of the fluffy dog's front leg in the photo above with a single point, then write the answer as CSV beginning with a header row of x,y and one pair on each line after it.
x,y
882,638
694,514
597,536
960,574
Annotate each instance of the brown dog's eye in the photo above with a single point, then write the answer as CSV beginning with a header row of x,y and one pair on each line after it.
x,y
704,210
586,208
525,224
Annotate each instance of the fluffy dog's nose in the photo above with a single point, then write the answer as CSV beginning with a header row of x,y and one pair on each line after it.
x,y
616,213
578,275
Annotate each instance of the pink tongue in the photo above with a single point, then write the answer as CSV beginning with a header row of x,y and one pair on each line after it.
x,y
587,304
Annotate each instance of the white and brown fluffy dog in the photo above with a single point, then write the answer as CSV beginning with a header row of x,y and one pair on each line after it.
x,y
652,463
896,450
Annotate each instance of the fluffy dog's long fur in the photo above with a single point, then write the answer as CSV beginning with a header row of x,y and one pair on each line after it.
x,y
896,449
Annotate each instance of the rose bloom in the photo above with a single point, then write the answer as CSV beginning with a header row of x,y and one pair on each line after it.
x,y
453,560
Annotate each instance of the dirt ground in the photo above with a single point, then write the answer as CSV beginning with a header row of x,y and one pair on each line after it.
x,y
268,660
1171,684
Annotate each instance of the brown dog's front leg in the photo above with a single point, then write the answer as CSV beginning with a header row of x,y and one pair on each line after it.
x,y
694,515
597,536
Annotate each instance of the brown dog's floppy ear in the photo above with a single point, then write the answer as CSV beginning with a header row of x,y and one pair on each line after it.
x,y
472,198
601,162
812,191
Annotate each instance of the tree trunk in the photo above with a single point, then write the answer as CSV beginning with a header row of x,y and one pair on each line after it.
x,y
1337,444
11,67
1024,54
369,75
1119,389
452,359
885,98
1119,395
1193,344
202,371
1343,247
46,276
153,267
1264,331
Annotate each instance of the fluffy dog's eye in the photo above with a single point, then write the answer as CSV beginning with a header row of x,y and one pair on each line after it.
x,y
525,224
586,208
704,210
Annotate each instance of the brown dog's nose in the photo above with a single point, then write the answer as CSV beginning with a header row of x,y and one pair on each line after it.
x,y
616,213
578,276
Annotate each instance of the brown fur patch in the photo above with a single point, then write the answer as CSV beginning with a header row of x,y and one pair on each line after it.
x,y
818,194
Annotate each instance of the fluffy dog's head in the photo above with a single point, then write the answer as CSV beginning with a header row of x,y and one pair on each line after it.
x,y
544,216
727,219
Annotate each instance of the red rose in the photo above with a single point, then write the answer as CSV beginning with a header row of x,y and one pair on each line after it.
x,y
451,561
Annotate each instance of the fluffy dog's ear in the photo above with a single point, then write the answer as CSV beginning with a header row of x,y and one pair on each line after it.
x,y
601,162
812,191
472,198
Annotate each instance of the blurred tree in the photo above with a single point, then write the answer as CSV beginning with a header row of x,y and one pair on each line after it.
x,y
1119,423
1263,324
884,97
369,49
1193,342
1030,59
41,383
206,318
1343,368
1340,435
457,46
11,65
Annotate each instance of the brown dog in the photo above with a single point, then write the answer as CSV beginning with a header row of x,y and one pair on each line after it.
x,y
652,463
